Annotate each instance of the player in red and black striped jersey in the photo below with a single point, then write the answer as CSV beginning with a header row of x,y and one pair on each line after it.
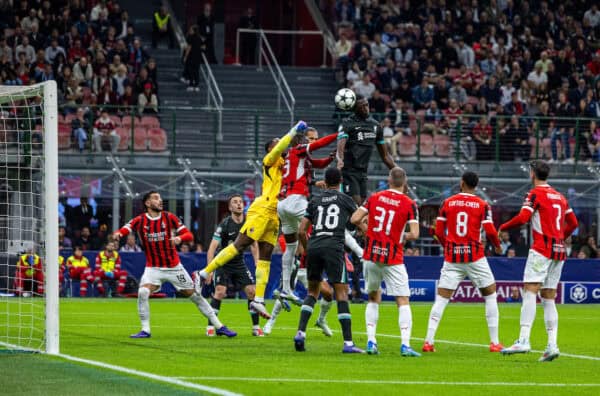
x,y
160,231
389,213
552,221
458,229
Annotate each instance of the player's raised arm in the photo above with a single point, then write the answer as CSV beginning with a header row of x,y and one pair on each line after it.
x,y
322,142
342,138
283,144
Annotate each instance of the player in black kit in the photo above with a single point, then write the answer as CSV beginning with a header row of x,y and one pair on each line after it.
x,y
329,214
357,135
235,271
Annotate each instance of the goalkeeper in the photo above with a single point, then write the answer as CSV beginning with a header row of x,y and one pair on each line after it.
x,y
262,222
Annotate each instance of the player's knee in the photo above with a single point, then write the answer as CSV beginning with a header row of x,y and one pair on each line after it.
x,y
220,292
402,300
549,294
250,292
143,293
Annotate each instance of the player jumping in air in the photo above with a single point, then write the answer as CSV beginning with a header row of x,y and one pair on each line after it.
x,y
552,221
156,229
357,135
458,229
329,214
262,223
296,187
389,212
235,271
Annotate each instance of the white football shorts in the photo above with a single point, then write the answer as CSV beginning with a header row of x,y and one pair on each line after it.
x,y
290,211
541,269
177,276
478,272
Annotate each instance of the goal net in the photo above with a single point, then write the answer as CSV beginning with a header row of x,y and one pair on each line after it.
x,y
29,218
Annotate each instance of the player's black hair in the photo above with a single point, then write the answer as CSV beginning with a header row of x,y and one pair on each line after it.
x,y
471,179
267,144
77,247
333,176
236,195
146,197
540,168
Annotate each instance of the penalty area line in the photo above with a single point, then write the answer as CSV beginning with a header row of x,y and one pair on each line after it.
x,y
160,378
390,382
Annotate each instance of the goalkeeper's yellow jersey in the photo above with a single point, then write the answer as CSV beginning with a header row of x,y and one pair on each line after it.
x,y
272,175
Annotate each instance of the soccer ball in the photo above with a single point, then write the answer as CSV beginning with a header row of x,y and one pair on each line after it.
x,y
345,99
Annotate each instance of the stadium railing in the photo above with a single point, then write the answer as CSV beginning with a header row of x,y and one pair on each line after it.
x,y
467,138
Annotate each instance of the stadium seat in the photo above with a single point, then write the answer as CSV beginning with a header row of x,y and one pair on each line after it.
x,y
426,146
150,122
140,139
126,121
157,139
125,134
442,146
116,120
407,146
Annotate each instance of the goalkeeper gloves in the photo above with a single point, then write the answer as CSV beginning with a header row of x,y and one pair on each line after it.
x,y
300,127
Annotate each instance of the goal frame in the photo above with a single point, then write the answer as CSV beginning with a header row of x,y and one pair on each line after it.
x,y
49,241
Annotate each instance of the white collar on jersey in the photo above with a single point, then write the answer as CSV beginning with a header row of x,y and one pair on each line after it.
x,y
153,218
468,194
395,191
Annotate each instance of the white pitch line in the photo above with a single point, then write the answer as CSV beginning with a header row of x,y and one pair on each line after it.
x,y
390,382
155,377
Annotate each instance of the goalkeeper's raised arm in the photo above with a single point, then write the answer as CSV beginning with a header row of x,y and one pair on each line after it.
x,y
283,143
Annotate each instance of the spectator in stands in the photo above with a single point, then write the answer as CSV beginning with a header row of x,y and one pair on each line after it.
x,y
102,87
63,240
466,56
379,50
73,96
85,240
538,76
377,104
458,93
422,95
206,26
342,51
137,55
79,269
53,50
248,41
515,295
399,117
79,129
83,72
147,101
590,247
364,87
120,81
152,74
131,245
82,214
433,120
192,58
391,137
482,135
162,27
25,48
505,242
6,52
561,131
105,130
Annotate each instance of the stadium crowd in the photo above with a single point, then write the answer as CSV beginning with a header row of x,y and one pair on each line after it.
x,y
483,64
90,49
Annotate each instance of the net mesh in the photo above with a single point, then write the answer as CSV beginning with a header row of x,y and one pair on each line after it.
x,y
22,251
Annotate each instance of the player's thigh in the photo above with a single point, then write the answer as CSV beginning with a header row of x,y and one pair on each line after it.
x,y
480,273
290,212
335,266
255,223
270,230
396,280
451,275
373,275
315,265
350,183
553,277
152,276
536,268
179,278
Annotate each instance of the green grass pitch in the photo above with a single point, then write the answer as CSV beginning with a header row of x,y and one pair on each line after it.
x,y
98,329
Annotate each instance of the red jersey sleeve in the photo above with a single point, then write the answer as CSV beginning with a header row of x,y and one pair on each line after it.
x,y
180,228
571,223
320,143
529,206
132,226
320,163
440,225
489,228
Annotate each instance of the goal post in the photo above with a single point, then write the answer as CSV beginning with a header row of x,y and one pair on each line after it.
x,y
29,293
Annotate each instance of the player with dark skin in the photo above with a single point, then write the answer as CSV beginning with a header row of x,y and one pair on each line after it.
x,y
362,121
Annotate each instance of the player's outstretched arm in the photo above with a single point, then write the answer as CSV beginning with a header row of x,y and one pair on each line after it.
x,y
303,232
212,249
519,220
322,142
491,234
440,230
283,144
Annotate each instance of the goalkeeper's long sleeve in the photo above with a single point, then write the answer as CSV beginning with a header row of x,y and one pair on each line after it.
x,y
279,148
